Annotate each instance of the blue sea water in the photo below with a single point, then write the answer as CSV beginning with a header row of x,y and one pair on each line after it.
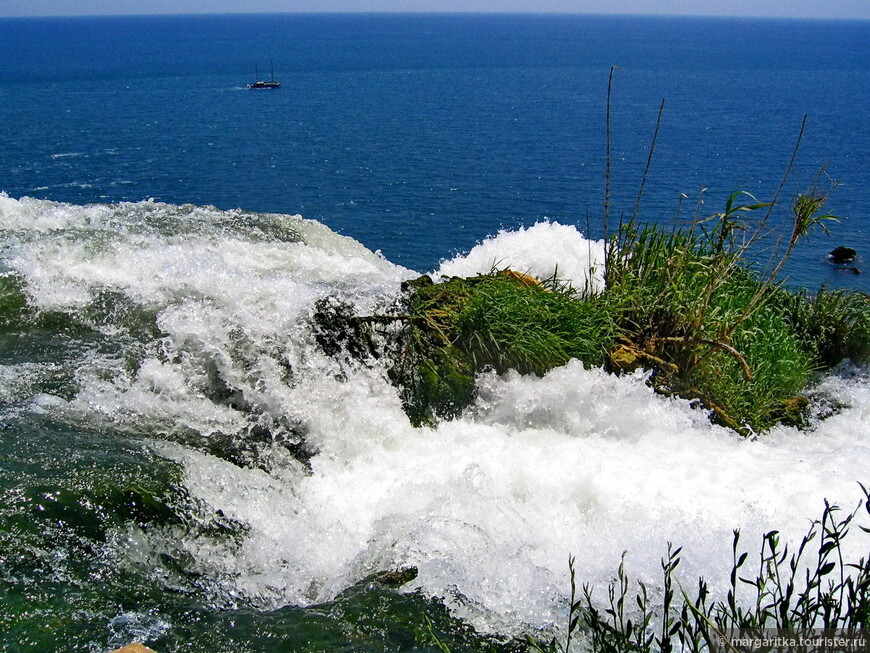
x,y
419,135
181,463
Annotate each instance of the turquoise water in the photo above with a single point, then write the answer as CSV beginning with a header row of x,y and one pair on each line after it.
x,y
182,464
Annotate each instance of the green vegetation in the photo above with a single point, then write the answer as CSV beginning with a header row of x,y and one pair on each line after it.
x,y
503,320
685,304
831,325
691,309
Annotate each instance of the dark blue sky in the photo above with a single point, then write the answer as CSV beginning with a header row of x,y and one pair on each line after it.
x,y
859,9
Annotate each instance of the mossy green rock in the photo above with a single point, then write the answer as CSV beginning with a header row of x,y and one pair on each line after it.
x,y
436,383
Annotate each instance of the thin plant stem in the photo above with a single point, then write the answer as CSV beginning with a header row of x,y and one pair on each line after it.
x,y
607,157
787,170
649,159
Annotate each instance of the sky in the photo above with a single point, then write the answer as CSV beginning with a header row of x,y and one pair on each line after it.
x,y
858,9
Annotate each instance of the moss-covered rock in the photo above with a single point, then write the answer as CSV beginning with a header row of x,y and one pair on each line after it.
x,y
436,381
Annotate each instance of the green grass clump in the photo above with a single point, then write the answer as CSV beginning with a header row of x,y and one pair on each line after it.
x,y
712,327
499,320
690,309
780,370
832,324
508,325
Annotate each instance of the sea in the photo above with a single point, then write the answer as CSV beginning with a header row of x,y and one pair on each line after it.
x,y
182,464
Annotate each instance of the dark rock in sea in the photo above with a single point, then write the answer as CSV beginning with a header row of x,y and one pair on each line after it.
x,y
842,254
851,270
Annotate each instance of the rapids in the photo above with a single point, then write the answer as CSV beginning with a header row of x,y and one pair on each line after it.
x,y
186,330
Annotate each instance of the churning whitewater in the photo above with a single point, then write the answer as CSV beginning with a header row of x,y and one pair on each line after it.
x,y
200,345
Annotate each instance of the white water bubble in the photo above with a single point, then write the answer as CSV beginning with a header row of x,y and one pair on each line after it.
x,y
544,250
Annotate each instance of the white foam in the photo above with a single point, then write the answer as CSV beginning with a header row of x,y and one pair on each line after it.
x,y
156,254
489,507
544,250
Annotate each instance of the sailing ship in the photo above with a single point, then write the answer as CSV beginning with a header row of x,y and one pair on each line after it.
x,y
262,84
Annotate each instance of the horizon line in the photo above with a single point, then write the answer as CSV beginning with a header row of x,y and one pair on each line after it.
x,y
454,12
